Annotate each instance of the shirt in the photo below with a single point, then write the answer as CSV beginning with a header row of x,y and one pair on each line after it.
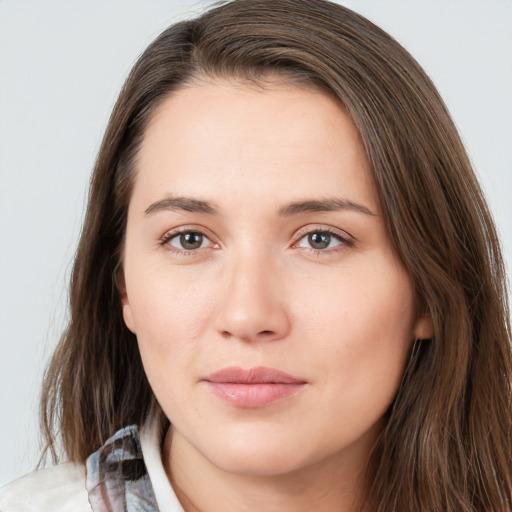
x,y
125,475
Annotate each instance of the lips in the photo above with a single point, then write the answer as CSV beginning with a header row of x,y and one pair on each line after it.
x,y
252,388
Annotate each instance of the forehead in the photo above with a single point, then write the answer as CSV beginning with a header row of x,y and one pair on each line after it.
x,y
228,137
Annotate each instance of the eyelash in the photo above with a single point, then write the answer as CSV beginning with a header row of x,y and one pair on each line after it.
x,y
346,241
164,241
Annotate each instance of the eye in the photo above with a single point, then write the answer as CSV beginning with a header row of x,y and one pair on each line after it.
x,y
322,240
185,241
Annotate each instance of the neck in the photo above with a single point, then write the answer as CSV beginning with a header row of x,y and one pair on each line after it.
x,y
203,487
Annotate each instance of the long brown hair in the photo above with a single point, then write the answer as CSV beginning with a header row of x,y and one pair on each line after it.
x,y
446,445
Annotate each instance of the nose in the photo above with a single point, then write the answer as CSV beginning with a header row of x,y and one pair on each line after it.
x,y
252,305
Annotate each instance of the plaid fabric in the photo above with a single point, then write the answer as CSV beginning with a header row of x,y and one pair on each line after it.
x,y
117,479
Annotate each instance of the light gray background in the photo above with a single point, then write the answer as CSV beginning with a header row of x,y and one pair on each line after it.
x,y
61,66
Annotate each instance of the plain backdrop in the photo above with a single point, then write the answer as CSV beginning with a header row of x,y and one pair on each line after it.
x,y
62,64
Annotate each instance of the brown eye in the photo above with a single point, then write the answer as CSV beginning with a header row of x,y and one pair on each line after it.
x,y
187,241
319,240
191,241
324,241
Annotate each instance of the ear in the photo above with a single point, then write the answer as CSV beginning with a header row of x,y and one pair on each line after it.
x,y
125,303
424,328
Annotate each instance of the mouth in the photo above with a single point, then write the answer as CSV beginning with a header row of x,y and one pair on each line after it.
x,y
252,388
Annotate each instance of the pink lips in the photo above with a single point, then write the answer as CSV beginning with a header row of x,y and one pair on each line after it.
x,y
251,388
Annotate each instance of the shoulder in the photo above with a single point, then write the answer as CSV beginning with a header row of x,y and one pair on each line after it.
x,y
56,489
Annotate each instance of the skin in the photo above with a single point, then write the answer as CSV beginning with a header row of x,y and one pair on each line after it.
x,y
258,292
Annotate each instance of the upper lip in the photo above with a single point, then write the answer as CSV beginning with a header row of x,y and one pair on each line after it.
x,y
256,375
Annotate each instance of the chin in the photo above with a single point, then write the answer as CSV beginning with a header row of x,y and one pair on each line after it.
x,y
257,464
268,457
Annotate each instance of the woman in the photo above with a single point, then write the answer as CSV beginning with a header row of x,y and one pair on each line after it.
x,y
288,293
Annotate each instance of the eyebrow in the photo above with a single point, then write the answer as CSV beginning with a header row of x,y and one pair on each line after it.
x,y
325,205
189,204
186,204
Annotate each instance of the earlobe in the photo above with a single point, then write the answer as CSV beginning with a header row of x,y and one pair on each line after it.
x,y
125,303
424,328
128,317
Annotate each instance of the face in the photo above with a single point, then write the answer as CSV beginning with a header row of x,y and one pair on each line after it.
x,y
273,317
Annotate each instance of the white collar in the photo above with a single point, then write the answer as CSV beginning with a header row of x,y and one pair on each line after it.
x,y
151,436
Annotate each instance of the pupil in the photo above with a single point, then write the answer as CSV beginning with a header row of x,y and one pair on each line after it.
x,y
191,240
319,240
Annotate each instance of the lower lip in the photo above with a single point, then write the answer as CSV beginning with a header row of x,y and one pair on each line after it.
x,y
253,396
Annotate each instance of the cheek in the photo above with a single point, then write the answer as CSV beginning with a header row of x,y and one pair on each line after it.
x,y
171,316
361,330
362,323
164,302
171,320
374,296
